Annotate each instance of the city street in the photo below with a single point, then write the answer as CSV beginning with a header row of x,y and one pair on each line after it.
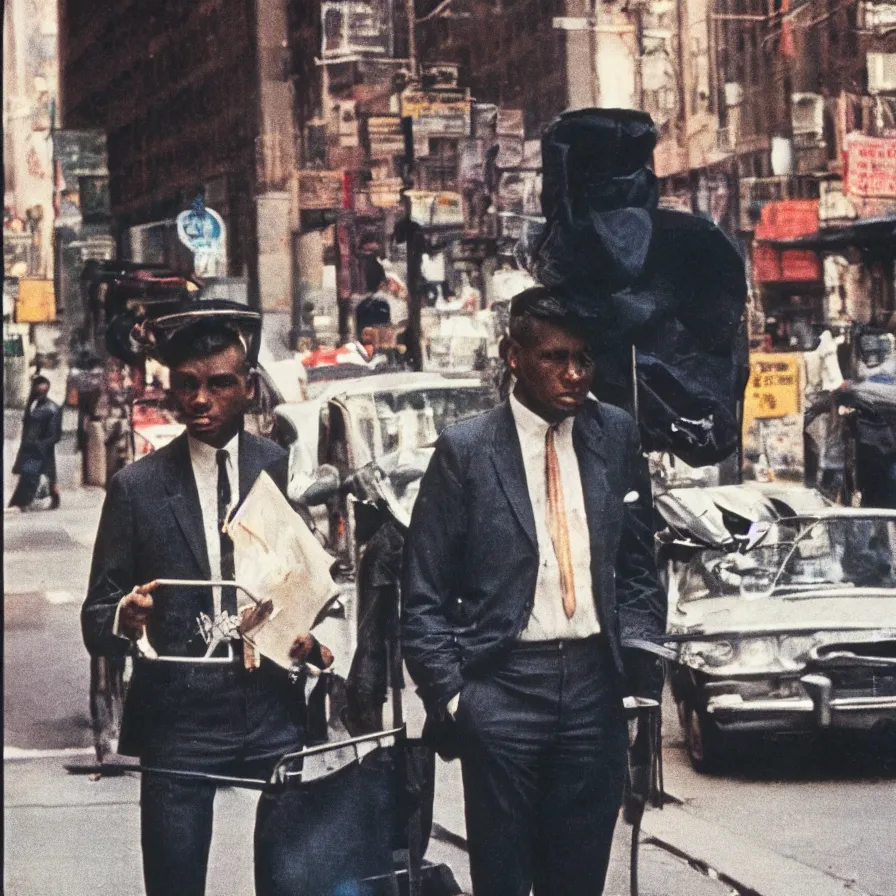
x,y
785,826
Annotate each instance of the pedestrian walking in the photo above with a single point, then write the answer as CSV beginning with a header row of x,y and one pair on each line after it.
x,y
163,518
41,430
530,581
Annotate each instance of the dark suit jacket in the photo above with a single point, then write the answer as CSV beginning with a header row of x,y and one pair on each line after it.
x,y
151,528
472,552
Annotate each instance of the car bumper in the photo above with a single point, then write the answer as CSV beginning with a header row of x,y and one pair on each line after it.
x,y
822,708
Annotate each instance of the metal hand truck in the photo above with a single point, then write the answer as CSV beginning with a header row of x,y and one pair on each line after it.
x,y
340,829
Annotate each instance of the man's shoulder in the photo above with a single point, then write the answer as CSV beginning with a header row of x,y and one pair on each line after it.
x,y
611,416
267,451
473,430
149,470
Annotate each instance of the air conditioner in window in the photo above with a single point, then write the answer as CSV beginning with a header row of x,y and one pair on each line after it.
x,y
881,72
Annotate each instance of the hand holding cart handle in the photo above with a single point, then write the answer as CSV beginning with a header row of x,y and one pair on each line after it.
x,y
218,634
148,652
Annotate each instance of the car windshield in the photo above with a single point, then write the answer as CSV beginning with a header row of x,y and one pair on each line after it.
x,y
387,422
800,557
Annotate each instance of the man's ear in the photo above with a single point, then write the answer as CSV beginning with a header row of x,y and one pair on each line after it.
x,y
251,384
511,353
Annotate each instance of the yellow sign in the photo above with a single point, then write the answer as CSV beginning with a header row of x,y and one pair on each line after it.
x,y
438,113
36,303
774,387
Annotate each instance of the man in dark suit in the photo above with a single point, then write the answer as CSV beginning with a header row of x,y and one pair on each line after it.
x,y
530,583
41,430
162,518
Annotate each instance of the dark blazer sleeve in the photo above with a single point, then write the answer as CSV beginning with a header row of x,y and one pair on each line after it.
x,y
112,573
639,596
433,559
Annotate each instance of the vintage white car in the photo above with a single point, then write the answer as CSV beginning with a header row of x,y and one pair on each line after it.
x,y
788,627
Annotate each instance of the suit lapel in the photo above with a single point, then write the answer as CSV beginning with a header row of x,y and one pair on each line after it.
x,y
590,448
250,466
507,456
183,499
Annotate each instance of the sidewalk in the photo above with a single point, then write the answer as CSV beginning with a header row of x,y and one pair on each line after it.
x,y
67,834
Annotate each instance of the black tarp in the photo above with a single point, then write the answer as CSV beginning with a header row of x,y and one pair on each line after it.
x,y
668,283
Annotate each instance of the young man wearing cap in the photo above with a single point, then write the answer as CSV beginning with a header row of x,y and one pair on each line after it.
x,y
529,582
162,518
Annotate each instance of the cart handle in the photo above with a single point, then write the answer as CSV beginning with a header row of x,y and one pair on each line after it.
x,y
148,652
279,775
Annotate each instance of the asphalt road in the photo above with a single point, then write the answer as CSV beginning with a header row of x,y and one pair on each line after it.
x,y
828,807
817,816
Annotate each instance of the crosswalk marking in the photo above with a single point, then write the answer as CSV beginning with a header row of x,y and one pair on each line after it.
x,y
60,597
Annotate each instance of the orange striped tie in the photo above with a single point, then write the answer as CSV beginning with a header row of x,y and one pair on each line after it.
x,y
557,524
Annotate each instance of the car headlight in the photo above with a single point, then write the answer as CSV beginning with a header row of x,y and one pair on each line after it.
x,y
718,653
733,656
794,651
707,653
757,652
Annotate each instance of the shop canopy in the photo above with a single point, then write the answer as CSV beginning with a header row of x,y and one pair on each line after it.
x,y
868,233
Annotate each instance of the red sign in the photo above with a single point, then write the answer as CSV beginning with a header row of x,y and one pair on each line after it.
x,y
787,219
771,265
870,166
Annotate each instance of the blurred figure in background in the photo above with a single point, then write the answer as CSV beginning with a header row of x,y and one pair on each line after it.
x,y
41,430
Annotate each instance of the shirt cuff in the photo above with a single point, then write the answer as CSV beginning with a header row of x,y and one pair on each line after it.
x,y
115,622
453,705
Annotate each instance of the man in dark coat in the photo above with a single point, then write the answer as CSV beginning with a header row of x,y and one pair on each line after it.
x,y
41,430
162,518
530,589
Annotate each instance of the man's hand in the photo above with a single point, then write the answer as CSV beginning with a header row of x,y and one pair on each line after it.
x,y
135,609
252,617
307,649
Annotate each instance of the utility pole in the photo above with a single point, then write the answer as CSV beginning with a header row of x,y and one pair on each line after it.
x,y
411,13
410,233
408,230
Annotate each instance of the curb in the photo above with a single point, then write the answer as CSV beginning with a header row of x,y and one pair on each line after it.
x,y
749,867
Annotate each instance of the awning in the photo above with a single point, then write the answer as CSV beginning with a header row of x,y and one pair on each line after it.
x,y
867,233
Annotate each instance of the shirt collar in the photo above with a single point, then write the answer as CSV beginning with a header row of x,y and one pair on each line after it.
x,y
206,456
530,425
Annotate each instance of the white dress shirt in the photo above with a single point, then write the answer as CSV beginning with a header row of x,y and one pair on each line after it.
x,y
548,621
204,460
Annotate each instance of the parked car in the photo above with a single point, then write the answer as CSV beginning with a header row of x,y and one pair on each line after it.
x,y
788,624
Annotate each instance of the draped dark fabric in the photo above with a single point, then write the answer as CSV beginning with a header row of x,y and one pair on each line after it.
x,y
668,283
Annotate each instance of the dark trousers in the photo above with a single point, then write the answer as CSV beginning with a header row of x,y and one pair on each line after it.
x,y
230,723
543,757
176,828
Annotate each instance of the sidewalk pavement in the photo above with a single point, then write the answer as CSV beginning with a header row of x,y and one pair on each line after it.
x,y
65,833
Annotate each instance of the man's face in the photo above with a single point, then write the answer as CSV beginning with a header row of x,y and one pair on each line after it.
x,y
212,394
553,371
41,390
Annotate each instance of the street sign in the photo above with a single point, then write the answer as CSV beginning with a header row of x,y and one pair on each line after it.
x,y
36,302
203,232
434,209
870,166
438,113
774,386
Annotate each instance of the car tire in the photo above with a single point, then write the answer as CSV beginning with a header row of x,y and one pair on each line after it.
x,y
703,741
